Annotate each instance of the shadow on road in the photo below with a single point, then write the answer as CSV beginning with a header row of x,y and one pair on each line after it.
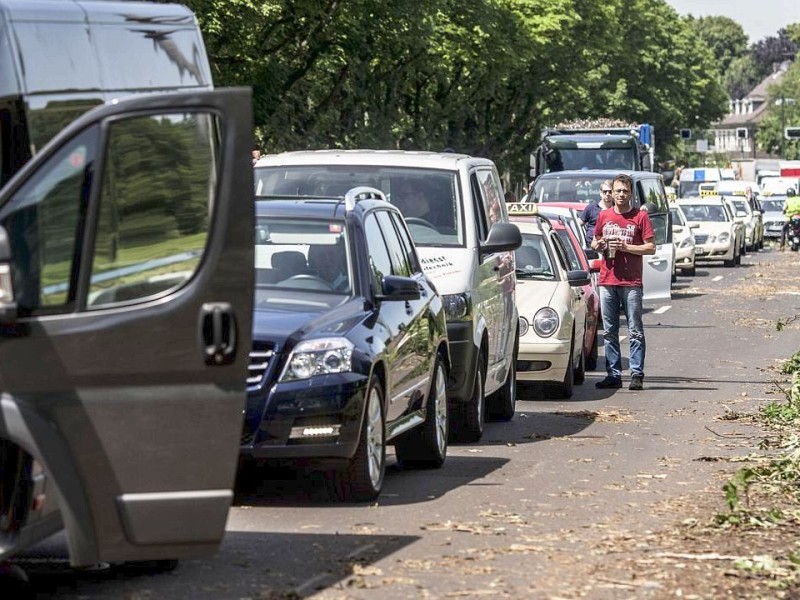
x,y
287,484
248,565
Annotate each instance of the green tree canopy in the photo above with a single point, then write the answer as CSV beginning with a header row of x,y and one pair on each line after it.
x,y
479,76
724,36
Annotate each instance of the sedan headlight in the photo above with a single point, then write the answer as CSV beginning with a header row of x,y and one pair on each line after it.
x,y
318,357
686,242
457,307
723,237
545,322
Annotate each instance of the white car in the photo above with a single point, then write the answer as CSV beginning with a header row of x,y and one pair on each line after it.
x,y
552,309
717,234
683,240
753,224
773,216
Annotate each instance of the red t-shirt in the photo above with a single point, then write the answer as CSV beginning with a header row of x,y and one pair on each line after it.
x,y
634,228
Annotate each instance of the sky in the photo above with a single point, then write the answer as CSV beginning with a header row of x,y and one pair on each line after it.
x,y
759,18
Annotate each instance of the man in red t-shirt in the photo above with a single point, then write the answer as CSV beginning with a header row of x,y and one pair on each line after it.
x,y
623,234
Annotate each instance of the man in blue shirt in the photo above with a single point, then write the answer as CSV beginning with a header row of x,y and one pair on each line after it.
x,y
589,214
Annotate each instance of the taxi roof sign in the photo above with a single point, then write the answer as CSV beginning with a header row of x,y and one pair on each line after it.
x,y
522,209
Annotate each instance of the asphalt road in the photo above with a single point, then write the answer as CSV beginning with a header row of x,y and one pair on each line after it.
x,y
535,509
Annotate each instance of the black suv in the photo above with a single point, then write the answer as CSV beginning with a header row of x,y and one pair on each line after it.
x,y
349,342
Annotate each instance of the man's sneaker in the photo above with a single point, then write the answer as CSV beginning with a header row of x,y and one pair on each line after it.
x,y
609,383
637,382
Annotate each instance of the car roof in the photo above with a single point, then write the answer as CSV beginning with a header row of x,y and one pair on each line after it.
x,y
312,208
598,173
395,158
701,200
528,224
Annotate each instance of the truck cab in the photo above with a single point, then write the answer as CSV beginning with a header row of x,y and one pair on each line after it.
x,y
619,148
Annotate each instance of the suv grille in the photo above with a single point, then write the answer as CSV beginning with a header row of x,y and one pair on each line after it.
x,y
260,357
700,238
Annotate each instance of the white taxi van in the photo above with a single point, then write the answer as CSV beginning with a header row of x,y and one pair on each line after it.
x,y
454,207
717,237
551,304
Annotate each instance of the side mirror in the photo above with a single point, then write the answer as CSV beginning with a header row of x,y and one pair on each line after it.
x,y
396,287
694,226
677,228
8,307
503,237
578,278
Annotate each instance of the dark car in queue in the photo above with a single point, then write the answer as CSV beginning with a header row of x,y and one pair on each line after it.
x,y
349,343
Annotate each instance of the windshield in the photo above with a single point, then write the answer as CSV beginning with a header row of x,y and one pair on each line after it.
x,y
740,206
584,188
704,212
532,258
772,205
575,159
428,198
689,189
302,255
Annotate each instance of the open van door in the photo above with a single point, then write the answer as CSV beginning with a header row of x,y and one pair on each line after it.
x,y
126,300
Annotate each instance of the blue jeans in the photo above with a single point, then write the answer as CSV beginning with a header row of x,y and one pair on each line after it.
x,y
612,297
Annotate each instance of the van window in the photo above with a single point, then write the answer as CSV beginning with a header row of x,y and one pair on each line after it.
x,y
44,221
155,206
64,56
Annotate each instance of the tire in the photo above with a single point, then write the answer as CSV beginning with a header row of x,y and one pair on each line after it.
x,y
591,360
469,428
426,446
362,479
690,272
580,371
502,405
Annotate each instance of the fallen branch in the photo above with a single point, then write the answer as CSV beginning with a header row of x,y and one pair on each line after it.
x,y
706,556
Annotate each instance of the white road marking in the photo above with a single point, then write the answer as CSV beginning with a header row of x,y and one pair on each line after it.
x,y
622,338
661,310
718,278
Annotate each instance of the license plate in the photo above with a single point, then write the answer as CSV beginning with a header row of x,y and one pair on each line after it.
x,y
699,251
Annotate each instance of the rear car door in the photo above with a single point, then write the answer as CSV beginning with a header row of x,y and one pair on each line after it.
x,y
125,358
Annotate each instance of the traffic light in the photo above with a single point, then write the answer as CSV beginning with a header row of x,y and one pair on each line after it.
x,y
686,134
791,133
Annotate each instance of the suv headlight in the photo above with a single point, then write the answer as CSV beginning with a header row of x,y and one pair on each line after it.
x,y
723,237
457,307
545,322
318,357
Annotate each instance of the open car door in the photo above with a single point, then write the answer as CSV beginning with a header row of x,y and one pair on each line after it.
x,y
126,300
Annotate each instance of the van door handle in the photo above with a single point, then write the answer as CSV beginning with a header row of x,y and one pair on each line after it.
x,y
218,333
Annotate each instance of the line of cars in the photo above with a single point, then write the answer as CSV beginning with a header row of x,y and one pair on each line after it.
x,y
399,301
409,340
